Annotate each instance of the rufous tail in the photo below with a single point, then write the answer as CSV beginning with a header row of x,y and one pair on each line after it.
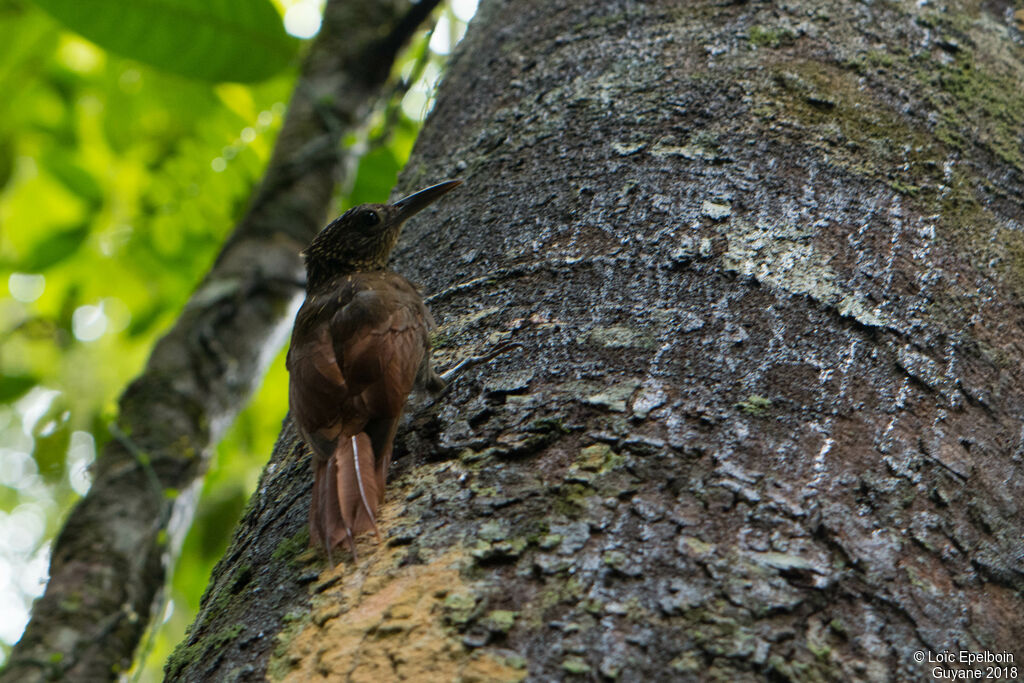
x,y
346,493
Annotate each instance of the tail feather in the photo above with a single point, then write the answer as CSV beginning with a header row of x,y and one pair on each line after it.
x,y
346,493
358,490
326,525
382,437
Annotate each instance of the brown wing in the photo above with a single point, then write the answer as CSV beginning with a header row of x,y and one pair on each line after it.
x,y
317,392
359,363
380,339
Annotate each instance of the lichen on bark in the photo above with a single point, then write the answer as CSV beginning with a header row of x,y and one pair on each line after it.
x,y
765,421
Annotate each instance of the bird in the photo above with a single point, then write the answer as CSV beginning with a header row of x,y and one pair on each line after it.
x,y
359,345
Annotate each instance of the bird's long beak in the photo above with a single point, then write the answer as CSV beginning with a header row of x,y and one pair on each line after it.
x,y
416,202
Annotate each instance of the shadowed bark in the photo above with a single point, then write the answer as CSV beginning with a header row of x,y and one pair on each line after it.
x,y
765,264
109,561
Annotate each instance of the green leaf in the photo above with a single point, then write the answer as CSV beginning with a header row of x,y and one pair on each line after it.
x,y
6,160
52,436
240,41
216,518
54,249
50,454
13,386
376,175
143,320
73,176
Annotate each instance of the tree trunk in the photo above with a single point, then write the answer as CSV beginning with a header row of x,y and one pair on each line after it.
x,y
765,264
109,562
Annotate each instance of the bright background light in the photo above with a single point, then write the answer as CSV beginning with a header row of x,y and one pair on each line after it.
x,y
302,19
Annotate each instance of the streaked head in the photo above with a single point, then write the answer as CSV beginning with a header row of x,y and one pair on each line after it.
x,y
362,238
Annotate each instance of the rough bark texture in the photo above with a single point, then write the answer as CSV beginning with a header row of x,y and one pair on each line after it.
x,y
109,561
765,261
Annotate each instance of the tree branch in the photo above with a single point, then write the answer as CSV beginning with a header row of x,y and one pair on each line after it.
x,y
109,561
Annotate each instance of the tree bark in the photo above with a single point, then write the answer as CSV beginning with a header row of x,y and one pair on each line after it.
x,y
765,264
109,561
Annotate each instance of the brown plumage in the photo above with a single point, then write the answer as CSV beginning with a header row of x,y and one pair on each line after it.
x,y
359,346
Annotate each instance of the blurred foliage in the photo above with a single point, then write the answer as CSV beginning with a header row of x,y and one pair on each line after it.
x,y
203,40
118,184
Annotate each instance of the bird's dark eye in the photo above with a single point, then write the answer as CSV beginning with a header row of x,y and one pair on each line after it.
x,y
369,218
